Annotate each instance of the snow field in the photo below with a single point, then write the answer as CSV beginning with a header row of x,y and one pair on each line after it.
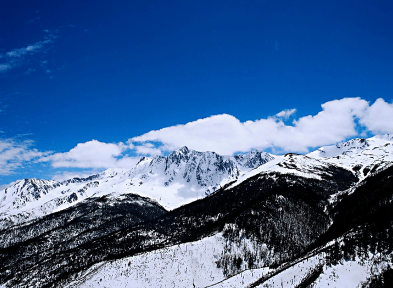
x,y
354,273
175,180
181,265
294,275
298,165
345,274
185,176
242,279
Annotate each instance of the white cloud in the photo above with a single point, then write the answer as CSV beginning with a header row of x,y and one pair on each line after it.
x,y
18,53
126,162
216,133
226,135
16,57
147,149
379,117
14,155
286,113
334,123
93,154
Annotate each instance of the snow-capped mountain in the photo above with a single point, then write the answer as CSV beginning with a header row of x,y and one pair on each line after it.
x,y
285,214
272,224
363,156
292,164
179,178
186,175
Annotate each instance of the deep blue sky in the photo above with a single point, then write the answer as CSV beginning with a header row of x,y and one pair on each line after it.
x,y
117,69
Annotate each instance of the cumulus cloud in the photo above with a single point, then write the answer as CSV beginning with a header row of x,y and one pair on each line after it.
x,y
337,121
92,154
378,118
14,155
204,134
225,134
147,149
334,123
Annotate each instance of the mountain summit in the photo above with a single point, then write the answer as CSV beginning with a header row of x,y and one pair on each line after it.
x,y
186,175
259,220
179,178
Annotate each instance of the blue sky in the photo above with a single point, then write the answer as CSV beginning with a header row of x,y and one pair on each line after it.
x,y
112,71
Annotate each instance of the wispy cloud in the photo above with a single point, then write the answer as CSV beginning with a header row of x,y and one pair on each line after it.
x,y
18,53
17,57
4,67
14,154
286,113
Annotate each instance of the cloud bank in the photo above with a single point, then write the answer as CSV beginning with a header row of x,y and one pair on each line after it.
x,y
337,121
225,134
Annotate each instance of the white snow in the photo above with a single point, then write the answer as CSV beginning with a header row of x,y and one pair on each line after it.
x,y
185,176
182,265
345,274
377,150
293,164
180,178
242,279
294,275
193,265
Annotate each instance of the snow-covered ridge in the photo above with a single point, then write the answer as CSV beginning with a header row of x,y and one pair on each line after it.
x,y
360,155
293,164
363,157
179,178
186,175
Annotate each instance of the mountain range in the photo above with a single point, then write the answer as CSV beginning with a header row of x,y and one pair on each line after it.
x,y
203,219
177,179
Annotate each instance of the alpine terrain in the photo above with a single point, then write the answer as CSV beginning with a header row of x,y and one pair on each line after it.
x,y
199,219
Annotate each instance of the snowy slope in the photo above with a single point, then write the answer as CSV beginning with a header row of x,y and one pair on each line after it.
x,y
360,155
243,279
186,175
185,265
293,164
345,273
193,265
182,265
174,180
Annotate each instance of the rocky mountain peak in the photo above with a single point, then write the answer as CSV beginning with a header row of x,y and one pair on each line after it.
x,y
184,150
